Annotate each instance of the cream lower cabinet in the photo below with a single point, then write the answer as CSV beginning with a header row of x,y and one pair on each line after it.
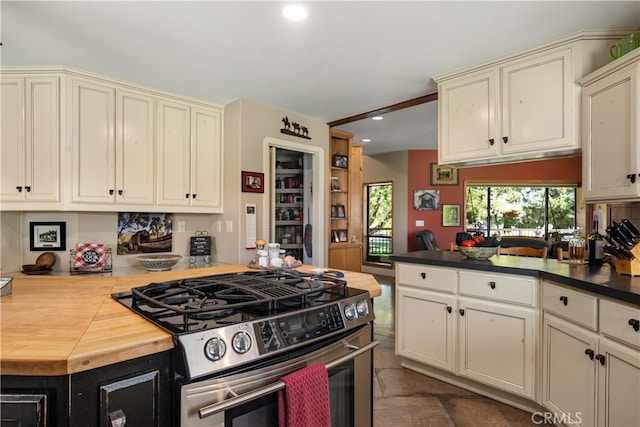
x,y
113,146
611,129
189,156
476,325
591,359
30,134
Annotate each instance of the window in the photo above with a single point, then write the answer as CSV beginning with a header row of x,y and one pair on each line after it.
x,y
520,210
379,238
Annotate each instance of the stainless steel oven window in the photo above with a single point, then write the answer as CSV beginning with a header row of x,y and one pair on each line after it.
x,y
349,389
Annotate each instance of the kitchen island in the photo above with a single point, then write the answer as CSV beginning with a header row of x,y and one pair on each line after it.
x,y
543,335
70,351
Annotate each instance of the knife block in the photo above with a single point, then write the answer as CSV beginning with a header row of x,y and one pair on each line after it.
x,y
630,267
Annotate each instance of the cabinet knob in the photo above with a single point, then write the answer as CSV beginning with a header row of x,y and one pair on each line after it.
x,y
120,192
28,188
449,309
632,177
19,189
491,141
461,312
589,353
492,284
600,358
635,323
564,300
193,196
423,275
111,192
505,139
186,196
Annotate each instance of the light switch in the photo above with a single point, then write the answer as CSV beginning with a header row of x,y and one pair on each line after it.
x,y
219,226
229,226
419,223
181,227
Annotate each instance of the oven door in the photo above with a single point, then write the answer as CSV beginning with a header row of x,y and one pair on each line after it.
x,y
250,398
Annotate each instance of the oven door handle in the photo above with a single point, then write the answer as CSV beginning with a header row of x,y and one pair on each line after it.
x,y
279,385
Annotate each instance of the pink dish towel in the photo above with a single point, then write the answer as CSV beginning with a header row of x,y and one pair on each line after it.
x,y
304,402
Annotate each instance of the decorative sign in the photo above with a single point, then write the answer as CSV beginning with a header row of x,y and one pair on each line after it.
x,y
200,244
298,130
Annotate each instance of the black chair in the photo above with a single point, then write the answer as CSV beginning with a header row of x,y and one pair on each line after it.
x,y
427,241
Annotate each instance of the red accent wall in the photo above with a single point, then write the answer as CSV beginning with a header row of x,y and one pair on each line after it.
x,y
564,170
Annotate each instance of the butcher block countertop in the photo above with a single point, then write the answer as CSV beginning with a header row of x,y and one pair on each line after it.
x,y
58,325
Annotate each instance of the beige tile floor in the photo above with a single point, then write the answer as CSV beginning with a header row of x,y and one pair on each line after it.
x,y
404,398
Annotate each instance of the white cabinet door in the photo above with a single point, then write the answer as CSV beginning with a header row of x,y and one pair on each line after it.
x,y
425,327
174,153
569,371
93,133
468,118
537,97
497,345
30,139
206,158
619,385
135,154
610,116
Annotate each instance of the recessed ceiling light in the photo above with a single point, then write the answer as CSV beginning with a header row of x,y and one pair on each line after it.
x,y
377,118
366,140
295,12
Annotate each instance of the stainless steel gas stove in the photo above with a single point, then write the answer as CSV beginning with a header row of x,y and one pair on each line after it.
x,y
224,321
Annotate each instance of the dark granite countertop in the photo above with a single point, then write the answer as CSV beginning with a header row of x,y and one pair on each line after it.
x,y
600,280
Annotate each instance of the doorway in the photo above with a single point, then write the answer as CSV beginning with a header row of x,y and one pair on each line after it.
x,y
379,233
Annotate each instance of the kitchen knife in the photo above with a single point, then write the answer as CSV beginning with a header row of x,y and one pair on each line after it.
x,y
616,236
632,228
611,250
624,233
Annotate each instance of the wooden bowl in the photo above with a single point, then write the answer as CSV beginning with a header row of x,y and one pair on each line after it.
x,y
47,259
29,268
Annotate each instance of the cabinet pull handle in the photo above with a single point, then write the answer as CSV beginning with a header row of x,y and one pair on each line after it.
x,y
589,353
564,300
635,323
28,188
423,275
449,309
19,189
632,177
120,192
491,141
492,284
600,358
505,139
461,312
111,192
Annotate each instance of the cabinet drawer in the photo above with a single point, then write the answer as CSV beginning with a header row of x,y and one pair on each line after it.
x,y
499,287
618,321
439,279
572,305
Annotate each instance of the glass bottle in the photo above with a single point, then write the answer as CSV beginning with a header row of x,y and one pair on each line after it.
x,y
596,245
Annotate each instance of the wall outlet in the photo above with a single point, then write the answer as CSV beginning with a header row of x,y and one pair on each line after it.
x,y
219,226
419,223
181,227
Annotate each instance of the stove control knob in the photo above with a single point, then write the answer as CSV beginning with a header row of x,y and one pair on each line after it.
x,y
241,342
215,349
362,307
350,312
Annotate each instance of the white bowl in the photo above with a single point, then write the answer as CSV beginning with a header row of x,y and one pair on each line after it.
x,y
158,262
478,252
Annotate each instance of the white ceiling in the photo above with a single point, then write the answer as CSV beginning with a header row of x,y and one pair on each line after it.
x,y
346,58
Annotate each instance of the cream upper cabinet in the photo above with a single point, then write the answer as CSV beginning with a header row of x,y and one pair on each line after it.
x,y
30,132
611,132
189,156
113,155
524,106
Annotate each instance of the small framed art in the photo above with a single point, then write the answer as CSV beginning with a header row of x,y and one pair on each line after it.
x,y
47,236
340,161
451,215
443,175
335,184
252,182
339,235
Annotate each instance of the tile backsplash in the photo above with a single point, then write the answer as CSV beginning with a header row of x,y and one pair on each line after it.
x,y
631,211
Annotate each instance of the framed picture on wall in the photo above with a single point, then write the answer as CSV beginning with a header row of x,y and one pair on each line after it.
x,y
451,215
47,236
443,175
252,182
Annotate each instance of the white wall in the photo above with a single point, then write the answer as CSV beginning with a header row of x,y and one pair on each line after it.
x,y
390,167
